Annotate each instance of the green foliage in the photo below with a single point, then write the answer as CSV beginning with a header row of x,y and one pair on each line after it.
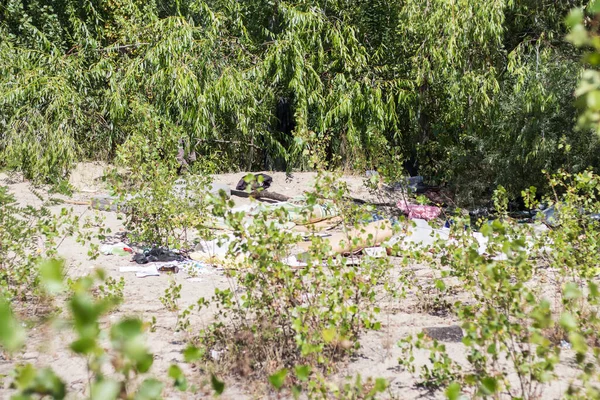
x,y
164,210
582,34
171,296
476,94
274,318
11,333
111,288
43,382
127,352
27,235
525,296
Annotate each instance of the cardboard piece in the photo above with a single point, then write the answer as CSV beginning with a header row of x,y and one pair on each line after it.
x,y
353,240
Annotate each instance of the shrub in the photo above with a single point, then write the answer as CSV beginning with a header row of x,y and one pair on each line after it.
x,y
27,235
274,316
529,295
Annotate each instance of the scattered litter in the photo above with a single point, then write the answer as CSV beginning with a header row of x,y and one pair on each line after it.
x,y
215,247
350,260
141,272
451,333
190,267
109,203
551,217
215,355
419,234
292,261
194,268
117,249
375,252
168,268
145,274
325,225
158,254
565,345
370,235
299,261
256,184
136,269
302,215
415,183
308,237
419,211
153,270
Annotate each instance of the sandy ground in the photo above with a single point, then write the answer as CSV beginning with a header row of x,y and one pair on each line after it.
x,y
378,356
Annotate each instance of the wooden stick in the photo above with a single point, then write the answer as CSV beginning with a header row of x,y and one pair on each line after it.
x,y
262,194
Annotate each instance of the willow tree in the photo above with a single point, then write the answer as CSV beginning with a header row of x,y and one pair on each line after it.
x,y
462,91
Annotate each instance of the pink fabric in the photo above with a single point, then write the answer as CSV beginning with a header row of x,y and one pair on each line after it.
x,y
418,211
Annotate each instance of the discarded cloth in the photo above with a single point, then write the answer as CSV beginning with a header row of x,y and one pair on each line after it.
x,y
188,266
157,254
169,267
419,211
117,249
141,272
256,184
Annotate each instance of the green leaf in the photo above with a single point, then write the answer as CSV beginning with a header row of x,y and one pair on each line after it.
x,y
144,362
594,292
43,382
593,6
150,389
440,285
127,329
52,275
296,391
593,100
48,383
84,345
177,374
571,291
575,17
453,391
489,385
105,389
381,385
578,342
328,335
592,58
278,378
24,375
578,36
192,353
12,335
568,322
302,372
217,385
